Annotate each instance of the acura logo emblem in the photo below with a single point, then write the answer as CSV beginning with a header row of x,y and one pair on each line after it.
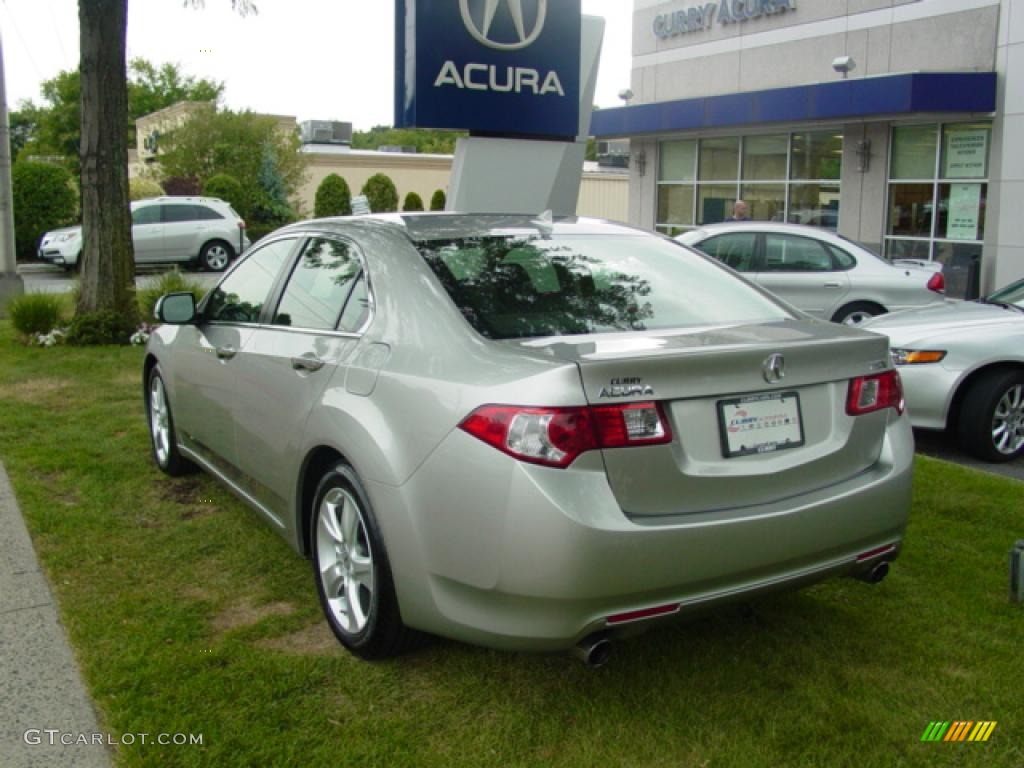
x,y
482,33
774,368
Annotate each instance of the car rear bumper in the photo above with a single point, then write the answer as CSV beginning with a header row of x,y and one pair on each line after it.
x,y
520,557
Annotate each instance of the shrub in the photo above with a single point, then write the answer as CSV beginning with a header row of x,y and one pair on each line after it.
x,y
169,282
141,188
44,199
438,200
181,185
413,202
103,327
333,197
226,187
255,232
381,192
35,313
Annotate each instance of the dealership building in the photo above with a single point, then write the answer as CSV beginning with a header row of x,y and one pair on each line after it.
x,y
900,123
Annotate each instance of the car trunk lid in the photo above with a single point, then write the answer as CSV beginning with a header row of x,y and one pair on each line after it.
x,y
715,379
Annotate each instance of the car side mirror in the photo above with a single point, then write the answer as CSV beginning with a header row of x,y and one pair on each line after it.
x,y
176,309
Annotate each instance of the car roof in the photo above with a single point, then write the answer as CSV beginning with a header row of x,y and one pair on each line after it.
x,y
768,226
423,227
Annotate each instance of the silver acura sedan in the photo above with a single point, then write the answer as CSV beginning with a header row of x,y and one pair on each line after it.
x,y
819,272
526,433
963,368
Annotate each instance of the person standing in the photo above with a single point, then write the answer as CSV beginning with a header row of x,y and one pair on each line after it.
x,y
740,212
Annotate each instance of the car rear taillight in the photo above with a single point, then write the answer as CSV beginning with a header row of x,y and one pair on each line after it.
x,y
875,393
555,437
937,283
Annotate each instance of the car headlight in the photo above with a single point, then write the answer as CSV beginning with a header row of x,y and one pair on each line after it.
x,y
67,236
917,356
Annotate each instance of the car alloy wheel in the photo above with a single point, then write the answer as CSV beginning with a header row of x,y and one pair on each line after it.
x,y
991,420
161,428
1008,422
159,421
216,257
345,560
856,318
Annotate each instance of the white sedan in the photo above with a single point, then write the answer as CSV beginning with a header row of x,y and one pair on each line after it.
x,y
963,369
819,272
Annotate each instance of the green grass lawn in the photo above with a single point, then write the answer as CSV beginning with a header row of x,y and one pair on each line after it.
x,y
189,615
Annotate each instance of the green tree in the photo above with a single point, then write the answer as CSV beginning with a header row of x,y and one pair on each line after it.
x,y
438,200
53,128
44,199
226,187
265,160
380,191
424,140
413,202
333,197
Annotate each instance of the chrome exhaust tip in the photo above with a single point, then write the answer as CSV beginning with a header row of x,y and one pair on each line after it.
x,y
877,573
594,651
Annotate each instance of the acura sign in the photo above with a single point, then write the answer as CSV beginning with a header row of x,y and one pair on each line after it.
x,y
501,67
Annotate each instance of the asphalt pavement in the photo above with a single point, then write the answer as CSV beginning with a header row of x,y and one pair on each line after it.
x,y
46,278
939,445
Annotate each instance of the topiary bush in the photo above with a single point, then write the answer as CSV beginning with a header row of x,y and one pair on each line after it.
x,y
227,188
35,313
381,192
141,188
413,202
169,282
333,197
103,327
438,200
44,199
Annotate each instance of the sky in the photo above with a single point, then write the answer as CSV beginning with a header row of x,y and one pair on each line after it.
x,y
314,59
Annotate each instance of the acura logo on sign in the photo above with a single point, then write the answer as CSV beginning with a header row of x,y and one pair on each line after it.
x,y
483,34
774,368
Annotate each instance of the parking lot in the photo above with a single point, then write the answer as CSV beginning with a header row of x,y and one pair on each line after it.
x,y
46,278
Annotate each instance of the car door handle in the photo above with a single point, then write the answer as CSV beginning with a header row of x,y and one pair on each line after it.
x,y
833,285
308,363
226,353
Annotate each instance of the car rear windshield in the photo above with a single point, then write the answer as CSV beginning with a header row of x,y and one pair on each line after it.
x,y
511,287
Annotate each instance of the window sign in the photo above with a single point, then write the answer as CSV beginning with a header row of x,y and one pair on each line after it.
x,y
966,151
964,212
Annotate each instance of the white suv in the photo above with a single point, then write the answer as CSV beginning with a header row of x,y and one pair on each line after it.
x,y
166,229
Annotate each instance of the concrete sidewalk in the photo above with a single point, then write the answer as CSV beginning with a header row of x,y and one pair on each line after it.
x,y
40,685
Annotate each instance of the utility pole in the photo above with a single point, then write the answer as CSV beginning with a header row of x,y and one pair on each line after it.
x,y
11,284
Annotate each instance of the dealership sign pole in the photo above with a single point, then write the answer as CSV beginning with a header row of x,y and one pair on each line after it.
x,y
520,76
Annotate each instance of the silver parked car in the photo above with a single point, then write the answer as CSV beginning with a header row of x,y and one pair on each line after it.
x,y
529,434
201,230
963,368
819,272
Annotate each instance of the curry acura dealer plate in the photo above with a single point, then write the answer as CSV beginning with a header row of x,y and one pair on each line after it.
x,y
760,424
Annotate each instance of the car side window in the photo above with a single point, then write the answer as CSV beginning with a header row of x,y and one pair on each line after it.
x,y
789,253
173,214
147,215
357,308
735,250
318,286
242,294
203,213
842,259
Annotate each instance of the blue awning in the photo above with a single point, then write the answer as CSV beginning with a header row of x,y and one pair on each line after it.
x,y
865,97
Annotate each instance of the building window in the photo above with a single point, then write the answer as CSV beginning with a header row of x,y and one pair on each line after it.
x,y
938,186
782,177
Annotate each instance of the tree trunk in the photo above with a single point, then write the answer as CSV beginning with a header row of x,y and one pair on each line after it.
x,y
107,263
